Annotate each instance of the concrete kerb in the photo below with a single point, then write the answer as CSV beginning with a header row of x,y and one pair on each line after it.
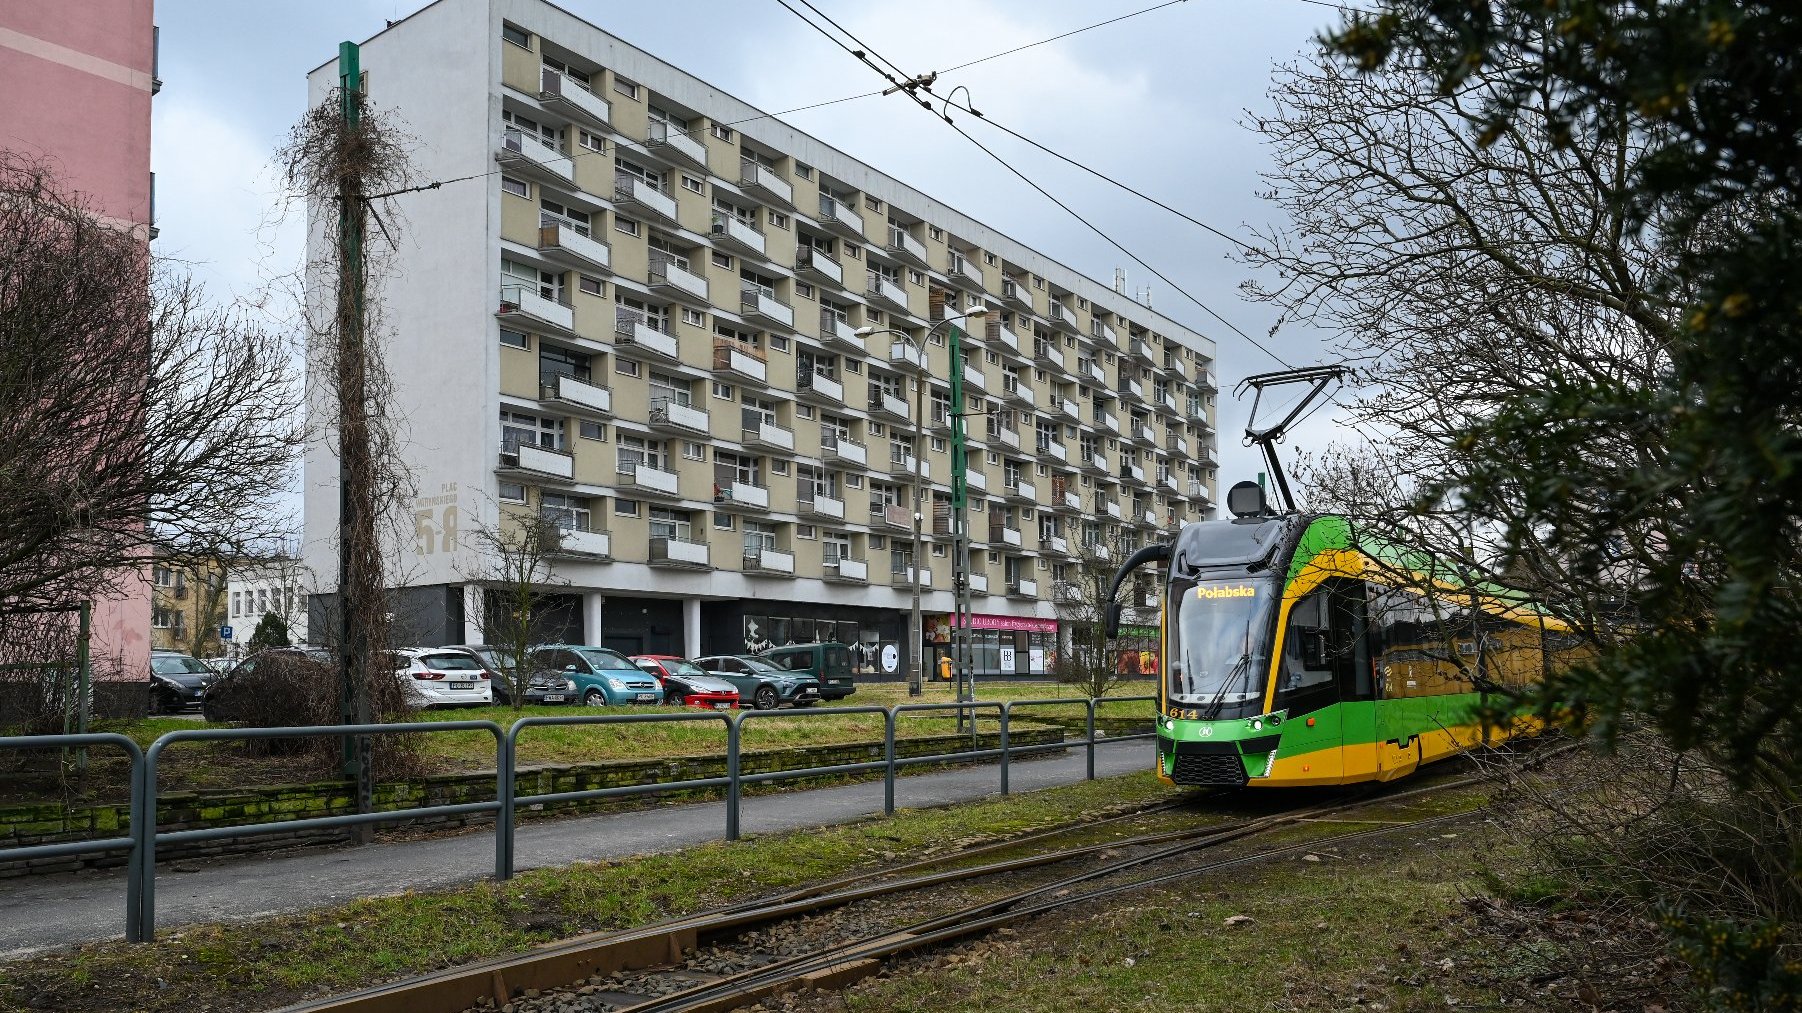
x,y
134,882
140,924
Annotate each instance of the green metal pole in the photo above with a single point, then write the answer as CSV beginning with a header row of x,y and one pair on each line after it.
x,y
84,675
354,698
962,662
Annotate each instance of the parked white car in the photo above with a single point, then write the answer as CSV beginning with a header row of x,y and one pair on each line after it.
x,y
443,678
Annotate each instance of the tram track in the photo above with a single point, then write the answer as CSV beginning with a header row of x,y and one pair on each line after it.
x,y
831,933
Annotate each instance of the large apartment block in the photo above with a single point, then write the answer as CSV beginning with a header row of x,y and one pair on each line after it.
x,y
689,336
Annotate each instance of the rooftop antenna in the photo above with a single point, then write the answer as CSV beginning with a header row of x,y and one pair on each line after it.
x,y
1267,437
1120,280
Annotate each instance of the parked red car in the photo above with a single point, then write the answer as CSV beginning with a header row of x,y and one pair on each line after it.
x,y
687,684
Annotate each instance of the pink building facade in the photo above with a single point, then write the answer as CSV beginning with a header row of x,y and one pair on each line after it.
x,y
78,80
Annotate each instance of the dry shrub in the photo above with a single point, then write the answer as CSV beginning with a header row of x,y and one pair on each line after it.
x,y
287,689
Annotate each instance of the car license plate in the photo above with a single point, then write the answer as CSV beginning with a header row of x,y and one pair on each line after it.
x,y
462,685
721,705
646,698
809,691
555,698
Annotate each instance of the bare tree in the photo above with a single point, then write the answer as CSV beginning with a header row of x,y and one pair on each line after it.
x,y
134,414
1093,662
1462,267
515,571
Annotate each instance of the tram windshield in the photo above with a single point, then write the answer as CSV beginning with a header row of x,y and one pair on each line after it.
x,y
1219,651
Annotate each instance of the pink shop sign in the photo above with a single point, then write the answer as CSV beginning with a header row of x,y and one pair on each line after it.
x,y
1027,623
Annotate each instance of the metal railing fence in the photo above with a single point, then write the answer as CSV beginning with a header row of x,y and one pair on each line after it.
x,y
143,838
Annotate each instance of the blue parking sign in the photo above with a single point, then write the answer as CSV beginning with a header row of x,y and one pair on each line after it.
x,y
225,633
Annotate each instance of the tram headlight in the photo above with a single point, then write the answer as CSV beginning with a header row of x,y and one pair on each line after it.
x,y
1257,725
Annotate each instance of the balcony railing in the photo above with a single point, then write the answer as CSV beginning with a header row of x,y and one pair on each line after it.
x,y
1057,544
639,195
958,268
1093,370
541,460
847,569
1022,490
888,404
835,329
1022,587
676,143
1000,534
885,291
742,360
1002,338
1146,435
1015,293
770,561
520,150
595,544
902,244
811,262
1054,450
758,431
905,464
754,175
561,93
539,310
904,355
976,480
892,515
815,505
973,377
667,275
907,576
578,395
667,413
645,478
1103,333
843,450
738,235
1062,318
840,219
678,552
819,387
633,334
563,243
731,494
759,305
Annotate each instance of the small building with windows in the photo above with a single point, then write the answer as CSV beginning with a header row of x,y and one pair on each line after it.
x,y
279,585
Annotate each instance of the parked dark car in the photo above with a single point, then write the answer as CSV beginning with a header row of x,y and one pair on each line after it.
x,y
178,682
829,663
543,688
763,685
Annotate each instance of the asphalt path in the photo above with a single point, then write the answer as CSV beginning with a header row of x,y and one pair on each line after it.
x,y
39,913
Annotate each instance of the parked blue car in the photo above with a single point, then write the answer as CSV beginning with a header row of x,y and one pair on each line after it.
x,y
597,676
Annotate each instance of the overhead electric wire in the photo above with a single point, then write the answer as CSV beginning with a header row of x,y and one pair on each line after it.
x,y
1054,38
864,54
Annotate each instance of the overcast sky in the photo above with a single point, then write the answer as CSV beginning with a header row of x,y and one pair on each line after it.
x,y
1156,101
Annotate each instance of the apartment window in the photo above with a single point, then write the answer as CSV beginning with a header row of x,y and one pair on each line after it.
x,y
519,428
625,508
938,550
994,358
568,513
878,543
938,444
778,343
804,411
994,458
518,36
693,317
872,203
1081,303
512,492
721,260
854,481
1041,471
514,339
693,451
594,431
1038,282
724,391
935,233
592,286
665,387
625,367
803,171
989,259
722,132
778,219
853,252
916,277
516,187
235,612
625,87
778,467
691,183
853,366
724,522
626,225
803,290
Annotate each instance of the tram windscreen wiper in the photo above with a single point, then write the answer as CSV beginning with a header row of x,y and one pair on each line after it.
x,y
1240,667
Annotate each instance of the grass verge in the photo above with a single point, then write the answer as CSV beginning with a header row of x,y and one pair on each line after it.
x,y
269,962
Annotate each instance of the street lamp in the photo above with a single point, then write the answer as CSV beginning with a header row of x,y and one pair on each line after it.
x,y
916,678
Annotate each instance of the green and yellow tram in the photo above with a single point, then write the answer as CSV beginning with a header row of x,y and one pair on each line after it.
x,y
1296,652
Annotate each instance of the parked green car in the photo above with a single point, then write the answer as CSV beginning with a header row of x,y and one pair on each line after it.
x,y
829,663
761,684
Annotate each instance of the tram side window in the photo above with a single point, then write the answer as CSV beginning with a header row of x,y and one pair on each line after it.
x,y
1315,650
1419,644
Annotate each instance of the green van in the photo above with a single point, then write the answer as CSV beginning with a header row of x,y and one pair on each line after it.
x,y
829,663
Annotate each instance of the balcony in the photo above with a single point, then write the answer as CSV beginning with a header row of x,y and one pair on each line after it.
x,y
648,480
1146,519
1168,400
905,465
738,360
1103,333
963,273
1044,353
1177,445
675,144
1064,406
903,246
679,553
973,378
1022,587
1107,420
731,494
635,338
905,356
1094,463
561,94
578,396
818,388
1063,318
979,584
884,292
1009,438
1015,391
634,195
1022,491
890,407
1196,489
527,307
834,330
1068,500
1057,545
1014,294
584,544
976,481
895,516
905,578
1133,387
836,449
755,177
759,432
814,265
1003,339
770,563
837,218
845,570
1001,534
1139,349
1109,508
820,507
1167,482
1092,369
1099,550
671,278
527,155
762,307
734,233
1132,472
671,416
563,244
1054,450
1145,434
541,461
